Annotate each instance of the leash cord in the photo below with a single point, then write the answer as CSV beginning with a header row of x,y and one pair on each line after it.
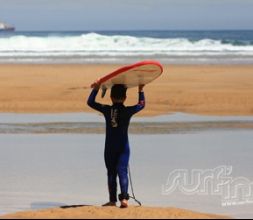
x,y
131,184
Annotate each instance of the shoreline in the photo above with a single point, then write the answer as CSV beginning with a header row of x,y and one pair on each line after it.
x,y
63,88
135,128
87,123
221,60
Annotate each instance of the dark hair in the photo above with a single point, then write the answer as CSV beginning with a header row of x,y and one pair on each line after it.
x,y
118,92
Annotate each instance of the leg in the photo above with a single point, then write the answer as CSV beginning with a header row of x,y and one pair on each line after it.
x,y
111,165
112,185
122,169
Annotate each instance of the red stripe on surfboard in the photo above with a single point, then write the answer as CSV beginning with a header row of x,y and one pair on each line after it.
x,y
126,68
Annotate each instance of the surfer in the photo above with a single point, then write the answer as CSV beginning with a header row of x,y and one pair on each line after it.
x,y
117,149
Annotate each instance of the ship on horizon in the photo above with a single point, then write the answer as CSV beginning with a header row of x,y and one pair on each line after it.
x,y
6,27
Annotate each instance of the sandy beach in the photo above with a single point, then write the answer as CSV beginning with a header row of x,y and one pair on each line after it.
x,y
92,212
198,89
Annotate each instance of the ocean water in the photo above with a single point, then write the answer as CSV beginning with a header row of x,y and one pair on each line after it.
x,y
42,171
229,47
47,169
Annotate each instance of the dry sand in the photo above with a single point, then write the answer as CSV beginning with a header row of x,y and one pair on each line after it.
x,y
92,212
203,89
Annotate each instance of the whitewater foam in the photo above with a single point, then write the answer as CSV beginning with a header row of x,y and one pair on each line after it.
x,y
92,46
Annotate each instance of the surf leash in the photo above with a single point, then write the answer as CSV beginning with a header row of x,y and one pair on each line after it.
x,y
131,184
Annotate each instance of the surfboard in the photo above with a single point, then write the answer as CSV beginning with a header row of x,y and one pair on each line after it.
x,y
140,73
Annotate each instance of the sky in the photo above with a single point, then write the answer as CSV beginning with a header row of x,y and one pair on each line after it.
x,y
91,15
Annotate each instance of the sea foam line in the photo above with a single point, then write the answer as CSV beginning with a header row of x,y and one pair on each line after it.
x,y
93,43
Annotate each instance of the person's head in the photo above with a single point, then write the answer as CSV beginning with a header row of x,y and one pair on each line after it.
x,y
118,93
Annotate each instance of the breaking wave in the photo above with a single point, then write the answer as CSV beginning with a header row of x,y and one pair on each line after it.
x,y
98,45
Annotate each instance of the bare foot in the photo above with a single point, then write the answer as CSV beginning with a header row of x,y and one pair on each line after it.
x,y
124,204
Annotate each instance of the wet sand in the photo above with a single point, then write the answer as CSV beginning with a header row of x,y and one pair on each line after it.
x,y
135,128
93,123
198,89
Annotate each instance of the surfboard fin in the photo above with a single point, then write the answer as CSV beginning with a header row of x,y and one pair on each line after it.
x,y
103,92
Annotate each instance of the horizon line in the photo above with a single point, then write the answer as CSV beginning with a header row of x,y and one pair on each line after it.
x,y
121,30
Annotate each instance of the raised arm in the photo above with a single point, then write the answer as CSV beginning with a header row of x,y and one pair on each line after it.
x,y
141,104
92,100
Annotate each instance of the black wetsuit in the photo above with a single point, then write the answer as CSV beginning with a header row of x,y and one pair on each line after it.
x,y
117,150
